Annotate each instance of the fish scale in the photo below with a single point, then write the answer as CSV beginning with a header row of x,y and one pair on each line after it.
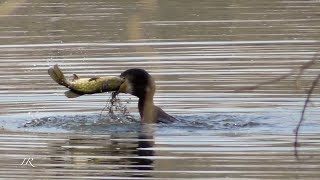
x,y
81,86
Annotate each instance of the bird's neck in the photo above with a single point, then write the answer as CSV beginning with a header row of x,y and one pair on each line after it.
x,y
146,109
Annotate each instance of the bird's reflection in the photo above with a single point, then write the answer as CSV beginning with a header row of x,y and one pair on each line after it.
x,y
142,160
125,155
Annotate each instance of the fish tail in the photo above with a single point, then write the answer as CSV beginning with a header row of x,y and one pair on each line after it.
x,y
57,75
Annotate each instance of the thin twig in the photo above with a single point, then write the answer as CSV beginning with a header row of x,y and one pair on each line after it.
x,y
292,72
310,91
266,82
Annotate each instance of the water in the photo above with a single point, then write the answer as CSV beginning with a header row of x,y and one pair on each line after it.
x,y
200,54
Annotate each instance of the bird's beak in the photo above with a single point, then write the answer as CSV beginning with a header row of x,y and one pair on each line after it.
x,y
124,86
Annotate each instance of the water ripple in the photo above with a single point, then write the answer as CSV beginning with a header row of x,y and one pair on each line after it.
x,y
199,52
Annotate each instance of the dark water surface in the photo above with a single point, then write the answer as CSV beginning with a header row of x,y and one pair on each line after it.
x,y
199,52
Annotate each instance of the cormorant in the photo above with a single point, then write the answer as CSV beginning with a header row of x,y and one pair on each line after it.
x,y
140,83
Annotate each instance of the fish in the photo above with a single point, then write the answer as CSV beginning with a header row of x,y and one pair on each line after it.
x,y
81,86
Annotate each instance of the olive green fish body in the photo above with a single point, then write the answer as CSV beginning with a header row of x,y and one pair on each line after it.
x,y
80,86
98,85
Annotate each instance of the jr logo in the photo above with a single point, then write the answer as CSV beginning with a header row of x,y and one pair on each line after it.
x,y
27,161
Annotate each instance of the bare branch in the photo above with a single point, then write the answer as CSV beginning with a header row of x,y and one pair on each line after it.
x,y
308,98
310,91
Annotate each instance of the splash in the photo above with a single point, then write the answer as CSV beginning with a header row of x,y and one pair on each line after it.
x,y
115,108
114,113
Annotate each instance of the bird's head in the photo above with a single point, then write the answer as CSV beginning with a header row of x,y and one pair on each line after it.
x,y
137,82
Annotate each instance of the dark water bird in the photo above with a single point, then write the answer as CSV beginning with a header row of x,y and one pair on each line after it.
x,y
140,83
